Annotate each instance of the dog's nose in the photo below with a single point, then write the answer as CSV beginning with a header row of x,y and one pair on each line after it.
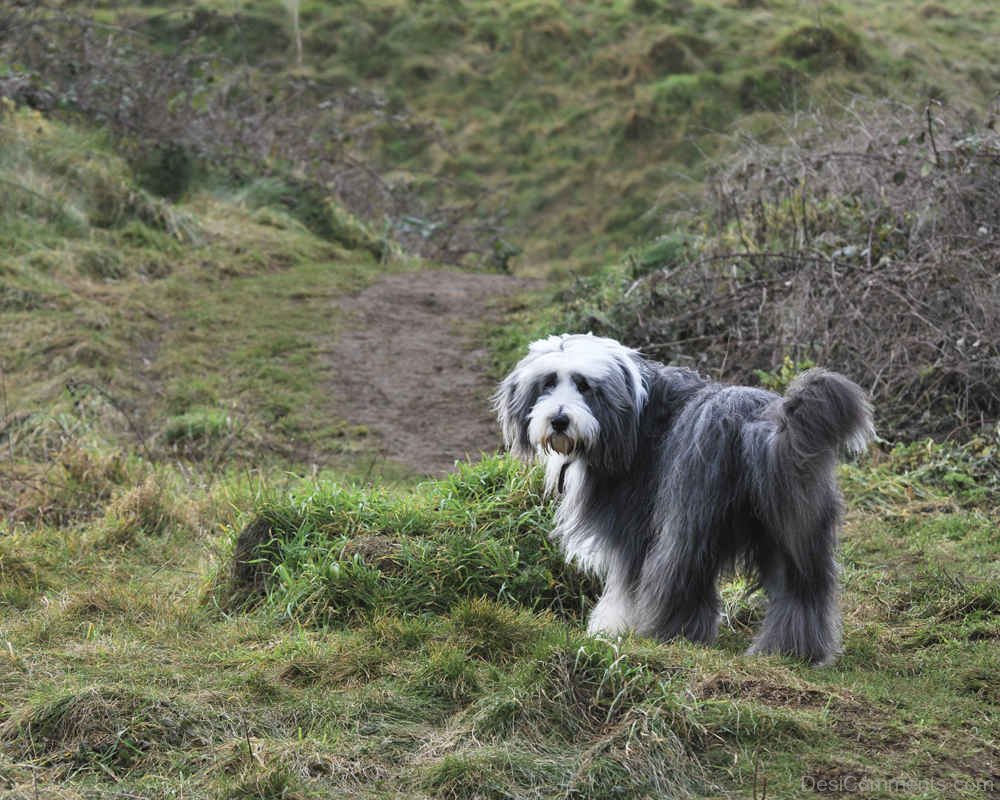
x,y
559,423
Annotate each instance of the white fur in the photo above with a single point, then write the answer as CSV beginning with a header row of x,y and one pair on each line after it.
x,y
563,399
572,529
615,613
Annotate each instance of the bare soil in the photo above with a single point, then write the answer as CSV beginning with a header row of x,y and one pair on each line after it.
x,y
408,367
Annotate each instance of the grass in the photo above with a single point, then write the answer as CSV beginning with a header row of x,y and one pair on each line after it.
x,y
601,118
197,328
428,642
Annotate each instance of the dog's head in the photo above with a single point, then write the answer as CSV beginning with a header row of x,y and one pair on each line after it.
x,y
580,396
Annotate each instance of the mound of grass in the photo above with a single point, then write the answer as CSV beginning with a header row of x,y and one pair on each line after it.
x,y
20,580
819,47
102,727
320,213
339,553
145,509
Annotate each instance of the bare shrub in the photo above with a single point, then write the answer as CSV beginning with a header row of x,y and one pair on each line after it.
x,y
871,245
175,108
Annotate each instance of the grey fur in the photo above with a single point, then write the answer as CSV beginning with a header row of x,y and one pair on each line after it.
x,y
686,479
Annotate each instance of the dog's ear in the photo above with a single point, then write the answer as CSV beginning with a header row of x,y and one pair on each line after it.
x,y
618,406
513,401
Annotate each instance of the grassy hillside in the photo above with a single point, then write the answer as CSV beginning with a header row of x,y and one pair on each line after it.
x,y
559,121
209,588
194,329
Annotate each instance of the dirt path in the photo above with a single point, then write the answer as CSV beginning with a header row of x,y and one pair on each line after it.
x,y
406,366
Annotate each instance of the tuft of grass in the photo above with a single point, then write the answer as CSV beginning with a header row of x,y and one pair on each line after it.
x,y
494,632
82,481
819,47
146,509
339,553
197,427
489,774
20,580
101,727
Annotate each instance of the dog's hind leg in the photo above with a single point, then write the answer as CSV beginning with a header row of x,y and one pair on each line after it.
x,y
803,616
615,611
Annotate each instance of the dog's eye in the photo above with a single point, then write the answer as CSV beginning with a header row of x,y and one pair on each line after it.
x,y
581,384
550,383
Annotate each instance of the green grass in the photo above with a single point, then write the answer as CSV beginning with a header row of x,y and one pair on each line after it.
x,y
197,328
428,642
601,118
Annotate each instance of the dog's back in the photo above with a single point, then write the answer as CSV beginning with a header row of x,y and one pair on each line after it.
x,y
748,475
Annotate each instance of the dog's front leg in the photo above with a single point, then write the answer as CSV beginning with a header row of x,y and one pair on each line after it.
x,y
614,613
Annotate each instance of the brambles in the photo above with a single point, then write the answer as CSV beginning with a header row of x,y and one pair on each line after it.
x,y
867,248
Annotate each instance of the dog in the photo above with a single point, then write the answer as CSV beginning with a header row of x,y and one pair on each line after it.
x,y
666,480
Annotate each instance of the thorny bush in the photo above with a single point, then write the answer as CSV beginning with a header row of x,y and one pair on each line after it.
x,y
871,245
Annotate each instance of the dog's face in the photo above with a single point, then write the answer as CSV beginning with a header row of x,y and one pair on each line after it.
x,y
574,395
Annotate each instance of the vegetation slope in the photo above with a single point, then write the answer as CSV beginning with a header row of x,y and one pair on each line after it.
x,y
188,608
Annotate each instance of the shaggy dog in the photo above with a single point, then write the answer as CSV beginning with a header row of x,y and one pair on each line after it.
x,y
666,480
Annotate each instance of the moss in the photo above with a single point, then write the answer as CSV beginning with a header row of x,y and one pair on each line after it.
x,y
820,47
200,425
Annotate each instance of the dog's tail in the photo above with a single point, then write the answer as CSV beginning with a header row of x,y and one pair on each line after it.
x,y
791,452
822,414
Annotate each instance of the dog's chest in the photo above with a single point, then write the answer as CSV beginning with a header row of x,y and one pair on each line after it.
x,y
586,528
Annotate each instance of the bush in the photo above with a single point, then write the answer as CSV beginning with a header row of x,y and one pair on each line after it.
x,y
871,250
